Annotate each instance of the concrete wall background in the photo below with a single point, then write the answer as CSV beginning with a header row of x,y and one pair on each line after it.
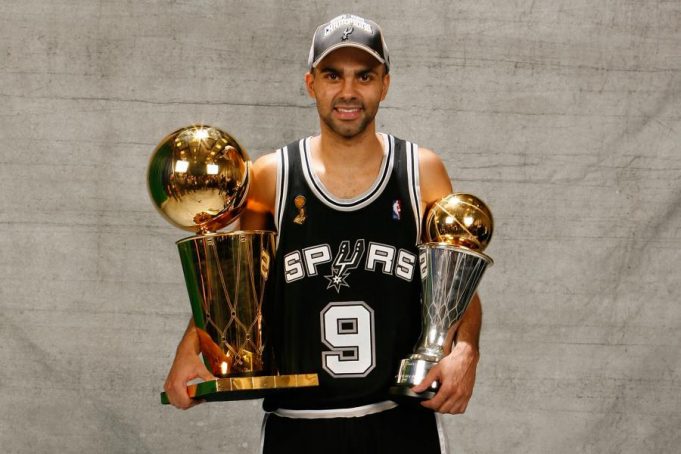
x,y
565,116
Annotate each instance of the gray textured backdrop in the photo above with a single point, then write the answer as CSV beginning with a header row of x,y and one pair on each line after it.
x,y
564,115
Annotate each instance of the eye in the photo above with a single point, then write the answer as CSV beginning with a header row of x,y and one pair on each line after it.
x,y
331,76
366,77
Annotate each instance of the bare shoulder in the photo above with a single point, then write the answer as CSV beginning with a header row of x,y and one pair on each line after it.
x,y
261,194
265,168
434,180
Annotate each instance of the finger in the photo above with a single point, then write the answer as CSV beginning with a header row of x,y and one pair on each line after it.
x,y
442,395
195,402
204,373
183,404
456,404
450,406
432,404
458,409
459,406
459,401
180,397
433,374
169,393
435,403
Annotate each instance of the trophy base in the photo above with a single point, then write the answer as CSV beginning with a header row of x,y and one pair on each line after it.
x,y
411,372
242,388
402,394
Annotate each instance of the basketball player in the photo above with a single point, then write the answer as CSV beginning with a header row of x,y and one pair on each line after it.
x,y
343,298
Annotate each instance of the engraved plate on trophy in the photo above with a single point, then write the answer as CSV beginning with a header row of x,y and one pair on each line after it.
x,y
459,227
198,179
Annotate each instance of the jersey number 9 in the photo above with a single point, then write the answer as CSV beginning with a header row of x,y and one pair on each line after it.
x,y
348,331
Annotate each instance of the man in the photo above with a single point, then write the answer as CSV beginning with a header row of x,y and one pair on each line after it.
x,y
343,298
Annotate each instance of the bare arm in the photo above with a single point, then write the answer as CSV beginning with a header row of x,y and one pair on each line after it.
x,y
259,210
435,182
456,371
257,216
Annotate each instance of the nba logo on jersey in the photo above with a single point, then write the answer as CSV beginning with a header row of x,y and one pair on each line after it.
x,y
397,210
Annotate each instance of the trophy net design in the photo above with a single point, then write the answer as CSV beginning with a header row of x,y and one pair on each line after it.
x,y
198,179
459,227
231,271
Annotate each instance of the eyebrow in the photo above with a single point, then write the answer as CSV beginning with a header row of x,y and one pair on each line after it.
x,y
328,69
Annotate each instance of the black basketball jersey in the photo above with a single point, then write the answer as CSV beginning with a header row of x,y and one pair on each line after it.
x,y
343,297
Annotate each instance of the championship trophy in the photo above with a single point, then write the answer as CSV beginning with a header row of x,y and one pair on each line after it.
x,y
458,228
198,179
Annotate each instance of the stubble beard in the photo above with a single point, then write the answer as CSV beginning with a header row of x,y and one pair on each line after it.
x,y
349,130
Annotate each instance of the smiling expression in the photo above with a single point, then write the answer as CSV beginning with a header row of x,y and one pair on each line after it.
x,y
348,86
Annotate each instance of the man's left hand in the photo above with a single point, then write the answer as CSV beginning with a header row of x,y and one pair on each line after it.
x,y
456,375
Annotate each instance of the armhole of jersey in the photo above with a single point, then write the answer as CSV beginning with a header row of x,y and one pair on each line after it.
x,y
282,190
414,186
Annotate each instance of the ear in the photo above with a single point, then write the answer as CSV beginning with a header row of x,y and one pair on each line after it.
x,y
309,83
386,85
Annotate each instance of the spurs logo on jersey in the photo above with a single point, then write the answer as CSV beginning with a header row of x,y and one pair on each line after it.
x,y
343,263
379,257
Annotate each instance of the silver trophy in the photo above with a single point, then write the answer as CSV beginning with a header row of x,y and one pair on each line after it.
x,y
459,227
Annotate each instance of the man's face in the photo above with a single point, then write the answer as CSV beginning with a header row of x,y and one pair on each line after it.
x,y
348,85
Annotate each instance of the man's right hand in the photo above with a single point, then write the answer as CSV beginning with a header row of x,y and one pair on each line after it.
x,y
186,367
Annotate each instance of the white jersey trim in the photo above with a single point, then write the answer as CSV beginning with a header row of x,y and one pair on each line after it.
x,y
414,186
355,203
281,190
262,433
354,412
441,433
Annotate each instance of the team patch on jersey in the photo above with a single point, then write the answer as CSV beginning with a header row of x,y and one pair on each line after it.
x,y
299,202
397,210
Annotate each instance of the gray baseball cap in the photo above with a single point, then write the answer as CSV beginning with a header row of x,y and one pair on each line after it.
x,y
348,30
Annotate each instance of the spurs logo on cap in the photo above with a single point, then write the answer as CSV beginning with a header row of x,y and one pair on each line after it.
x,y
347,32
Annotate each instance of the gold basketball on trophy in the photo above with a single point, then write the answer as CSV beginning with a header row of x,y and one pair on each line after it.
x,y
198,178
460,220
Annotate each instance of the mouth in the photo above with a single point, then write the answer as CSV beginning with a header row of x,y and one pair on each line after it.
x,y
348,112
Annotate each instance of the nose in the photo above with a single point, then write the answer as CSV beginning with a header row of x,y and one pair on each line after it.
x,y
348,88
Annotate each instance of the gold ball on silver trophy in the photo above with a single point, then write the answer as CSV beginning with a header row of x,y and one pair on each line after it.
x,y
198,178
460,220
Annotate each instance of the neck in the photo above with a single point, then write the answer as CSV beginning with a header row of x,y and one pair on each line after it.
x,y
348,151
346,166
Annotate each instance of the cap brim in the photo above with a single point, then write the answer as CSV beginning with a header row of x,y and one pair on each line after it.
x,y
363,47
